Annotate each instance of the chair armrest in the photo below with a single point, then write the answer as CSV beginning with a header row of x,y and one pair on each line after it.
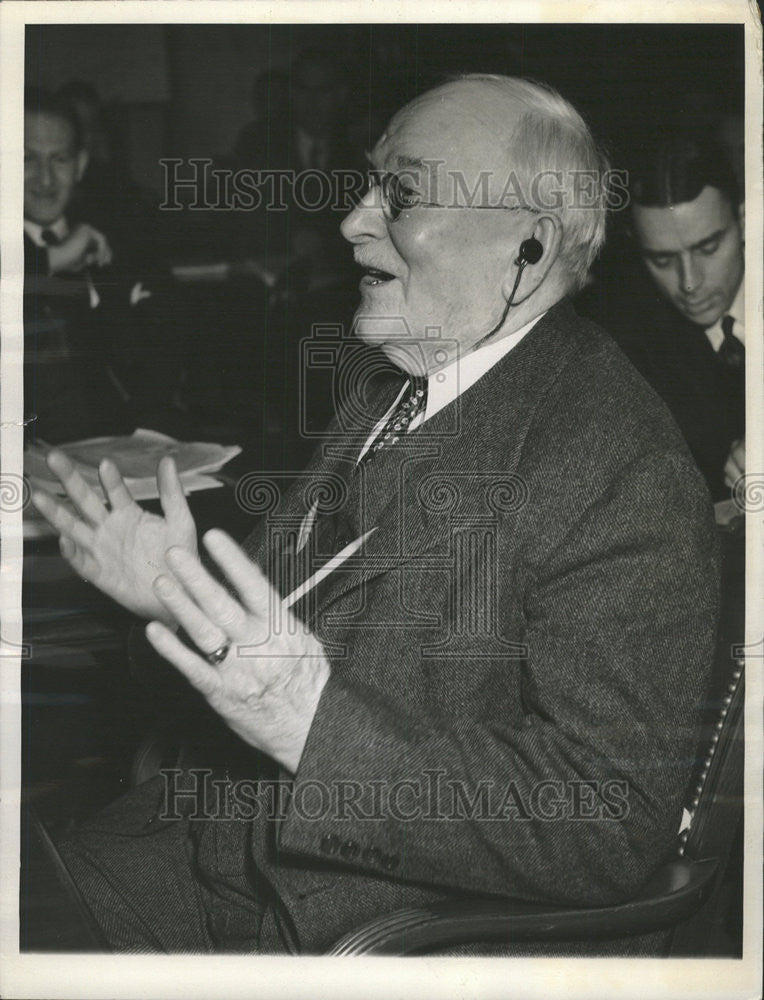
x,y
673,893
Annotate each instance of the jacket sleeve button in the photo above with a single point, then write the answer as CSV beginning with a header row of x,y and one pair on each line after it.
x,y
330,843
350,850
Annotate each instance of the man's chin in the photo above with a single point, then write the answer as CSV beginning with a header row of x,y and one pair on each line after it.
x,y
392,336
378,330
44,217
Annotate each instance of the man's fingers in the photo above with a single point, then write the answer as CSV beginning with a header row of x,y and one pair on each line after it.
x,y
104,250
171,496
215,601
253,586
196,670
205,634
78,491
734,467
99,247
114,485
63,520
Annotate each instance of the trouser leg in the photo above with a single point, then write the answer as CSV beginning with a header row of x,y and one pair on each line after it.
x,y
135,872
169,885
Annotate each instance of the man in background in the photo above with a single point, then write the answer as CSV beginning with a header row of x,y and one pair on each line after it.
x,y
55,161
688,223
307,138
99,327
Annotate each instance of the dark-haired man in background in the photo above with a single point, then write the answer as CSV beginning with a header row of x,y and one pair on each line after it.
x,y
687,219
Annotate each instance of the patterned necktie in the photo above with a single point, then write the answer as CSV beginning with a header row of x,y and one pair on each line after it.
x,y
732,351
411,403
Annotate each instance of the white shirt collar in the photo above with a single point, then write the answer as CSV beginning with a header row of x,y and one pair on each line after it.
x,y
737,311
34,230
447,384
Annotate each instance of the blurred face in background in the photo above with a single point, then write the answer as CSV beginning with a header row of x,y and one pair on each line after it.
x,y
52,167
694,253
317,96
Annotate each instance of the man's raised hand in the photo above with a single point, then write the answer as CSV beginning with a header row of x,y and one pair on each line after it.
x,y
119,549
734,467
84,247
267,672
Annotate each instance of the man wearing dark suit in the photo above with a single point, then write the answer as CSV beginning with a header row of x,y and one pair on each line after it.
x,y
470,642
99,332
56,310
687,219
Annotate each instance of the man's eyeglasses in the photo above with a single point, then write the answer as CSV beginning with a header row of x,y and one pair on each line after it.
x,y
396,197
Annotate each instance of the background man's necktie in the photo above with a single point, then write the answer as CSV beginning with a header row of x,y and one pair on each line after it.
x,y
732,351
411,403
50,238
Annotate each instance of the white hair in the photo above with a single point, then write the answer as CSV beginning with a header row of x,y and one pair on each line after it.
x,y
553,153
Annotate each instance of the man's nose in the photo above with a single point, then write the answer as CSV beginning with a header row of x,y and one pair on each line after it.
x,y
44,174
690,273
366,221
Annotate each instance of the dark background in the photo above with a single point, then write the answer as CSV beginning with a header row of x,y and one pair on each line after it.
x,y
183,90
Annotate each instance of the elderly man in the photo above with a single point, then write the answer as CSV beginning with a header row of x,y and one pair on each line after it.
x,y
469,644
688,220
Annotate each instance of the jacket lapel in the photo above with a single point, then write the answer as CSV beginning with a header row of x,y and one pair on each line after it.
x,y
457,466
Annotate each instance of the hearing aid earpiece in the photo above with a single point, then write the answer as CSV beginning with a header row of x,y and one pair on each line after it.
x,y
531,251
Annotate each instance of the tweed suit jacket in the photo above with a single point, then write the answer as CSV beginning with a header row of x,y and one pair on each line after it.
x,y
518,654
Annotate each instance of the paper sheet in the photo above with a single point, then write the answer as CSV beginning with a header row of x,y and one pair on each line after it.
x,y
137,457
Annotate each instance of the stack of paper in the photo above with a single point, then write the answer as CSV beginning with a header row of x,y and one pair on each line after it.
x,y
137,457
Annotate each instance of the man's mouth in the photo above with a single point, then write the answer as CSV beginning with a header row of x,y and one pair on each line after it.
x,y
373,276
699,307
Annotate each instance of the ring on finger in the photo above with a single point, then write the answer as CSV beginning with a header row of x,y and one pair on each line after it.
x,y
218,655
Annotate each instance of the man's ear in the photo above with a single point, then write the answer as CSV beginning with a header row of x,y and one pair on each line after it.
x,y
83,158
547,230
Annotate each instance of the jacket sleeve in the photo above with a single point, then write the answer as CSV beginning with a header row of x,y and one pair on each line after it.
x,y
581,800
